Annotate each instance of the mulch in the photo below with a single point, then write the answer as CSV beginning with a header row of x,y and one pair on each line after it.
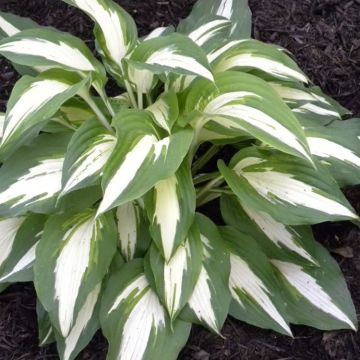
x,y
324,36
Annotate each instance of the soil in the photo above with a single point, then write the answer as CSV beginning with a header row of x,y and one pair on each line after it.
x,y
324,36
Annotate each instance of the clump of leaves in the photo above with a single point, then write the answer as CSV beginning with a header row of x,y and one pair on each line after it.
x,y
99,195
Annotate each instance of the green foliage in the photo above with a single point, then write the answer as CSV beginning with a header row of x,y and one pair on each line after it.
x,y
100,197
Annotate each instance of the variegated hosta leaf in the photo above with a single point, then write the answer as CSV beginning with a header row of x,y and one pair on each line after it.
x,y
30,180
210,300
251,54
337,146
171,208
245,103
180,83
253,286
294,93
18,241
140,159
51,49
144,80
79,199
46,333
215,133
120,102
165,110
173,53
133,230
115,29
88,151
175,279
58,124
317,296
12,24
72,258
209,31
134,321
268,232
343,111
32,102
310,112
70,116
76,111
237,11
160,31
307,103
288,189
9,229
218,134
84,328
117,262
314,295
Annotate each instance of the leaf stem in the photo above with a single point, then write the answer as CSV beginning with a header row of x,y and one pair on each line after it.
x,y
213,194
101,117
197,125
201,178
149,99
140,100
64,123
100,90
131,94
199,163
207,199
209,186
108,104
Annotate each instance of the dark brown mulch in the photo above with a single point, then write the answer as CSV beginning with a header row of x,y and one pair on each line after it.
x,y
324,36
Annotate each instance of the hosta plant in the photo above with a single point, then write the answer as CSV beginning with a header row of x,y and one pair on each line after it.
x,y
102,198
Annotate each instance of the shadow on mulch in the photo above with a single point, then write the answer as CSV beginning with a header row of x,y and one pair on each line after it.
x,y
324,36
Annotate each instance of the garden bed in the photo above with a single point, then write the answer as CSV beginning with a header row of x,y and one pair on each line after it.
x,y
324,36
